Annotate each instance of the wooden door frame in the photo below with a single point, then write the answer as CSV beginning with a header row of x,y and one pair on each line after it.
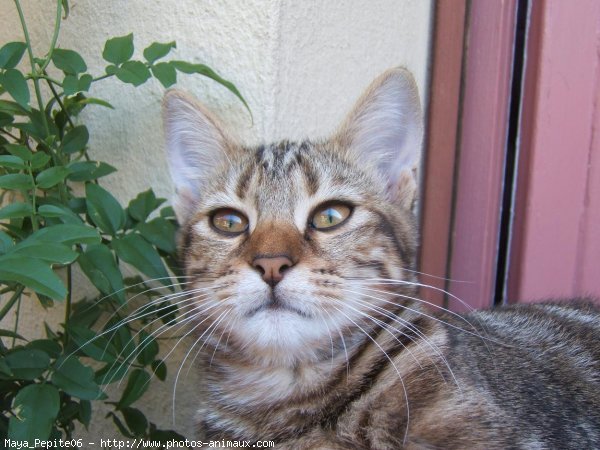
x,y
468,116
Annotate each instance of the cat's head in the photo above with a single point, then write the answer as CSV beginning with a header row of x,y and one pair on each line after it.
x,y
285,245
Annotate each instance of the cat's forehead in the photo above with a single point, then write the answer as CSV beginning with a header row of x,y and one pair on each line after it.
x,y
277,179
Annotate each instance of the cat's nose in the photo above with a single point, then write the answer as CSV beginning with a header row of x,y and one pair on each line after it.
x,y
272,268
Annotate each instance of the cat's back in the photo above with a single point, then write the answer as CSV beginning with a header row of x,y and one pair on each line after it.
x,y
539,366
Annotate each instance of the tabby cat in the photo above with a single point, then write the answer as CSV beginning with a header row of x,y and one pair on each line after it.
x,y
300,261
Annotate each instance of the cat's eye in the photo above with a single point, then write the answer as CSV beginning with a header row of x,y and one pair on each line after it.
x,y
330,215
229,221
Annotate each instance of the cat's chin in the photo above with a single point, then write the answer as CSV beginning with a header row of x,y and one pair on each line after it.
x,y
280,335
274,304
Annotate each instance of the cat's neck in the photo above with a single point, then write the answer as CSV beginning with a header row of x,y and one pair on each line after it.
x,y
252,383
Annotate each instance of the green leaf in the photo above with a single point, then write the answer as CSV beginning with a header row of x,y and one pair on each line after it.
x,y
134,250
122,428
186,67
6,242
118,49
76,139
51,177
104,210
32,273
68,61
89,170
99,265
72,84
27,363
111,373
160,369
20,151
95,346
96,101
136,421
11,334
85,412
148,348
60,212
15,84
165,73
156,50
16,181
159,232
133,72
76,380
67,234
123,341
137,384
111,69
39,160
13,108
11,54
52,348
142,206
167,212
4,369
65,5
12,162
6,119
36,407
50,252
17,209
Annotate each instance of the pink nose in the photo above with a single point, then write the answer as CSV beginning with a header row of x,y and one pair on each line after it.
x,y
272,268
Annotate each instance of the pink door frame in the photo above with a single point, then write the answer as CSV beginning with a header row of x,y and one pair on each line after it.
x,y
465,152
555,234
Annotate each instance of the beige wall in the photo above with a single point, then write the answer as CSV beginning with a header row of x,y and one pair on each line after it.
x,y
300,65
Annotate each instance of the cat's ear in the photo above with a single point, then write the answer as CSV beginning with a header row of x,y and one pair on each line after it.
x,y
385,129
196,146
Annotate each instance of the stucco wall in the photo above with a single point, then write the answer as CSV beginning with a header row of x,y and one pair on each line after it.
x,y
300,66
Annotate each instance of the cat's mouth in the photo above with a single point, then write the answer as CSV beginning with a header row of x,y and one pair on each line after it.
x,y
275,303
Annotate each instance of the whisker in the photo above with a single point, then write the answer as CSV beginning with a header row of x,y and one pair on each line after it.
x,y
383,326
343,343
230,323
412,327
214,326
186,317
391,362
330,339
186,355
396,294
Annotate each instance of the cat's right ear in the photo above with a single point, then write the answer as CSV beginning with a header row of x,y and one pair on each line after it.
x,y
385,130
196,146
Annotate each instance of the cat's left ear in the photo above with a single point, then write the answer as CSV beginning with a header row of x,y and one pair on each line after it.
x,y
197,146
385,130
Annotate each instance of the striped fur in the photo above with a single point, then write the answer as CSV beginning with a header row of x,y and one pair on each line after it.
x,y
341,354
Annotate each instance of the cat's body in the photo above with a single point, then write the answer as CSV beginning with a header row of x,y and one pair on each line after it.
x,y
541,391
300,263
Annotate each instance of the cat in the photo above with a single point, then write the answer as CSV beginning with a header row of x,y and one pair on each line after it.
x,y
300,266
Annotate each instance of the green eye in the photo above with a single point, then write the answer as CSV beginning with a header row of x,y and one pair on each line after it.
x,y
330,215
229,221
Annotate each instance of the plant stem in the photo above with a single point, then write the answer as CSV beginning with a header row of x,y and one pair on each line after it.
x,y
36,82
102,77
59,101
10,134
17,314
11,302
5,290
68,305
44,77
54,36
33,200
